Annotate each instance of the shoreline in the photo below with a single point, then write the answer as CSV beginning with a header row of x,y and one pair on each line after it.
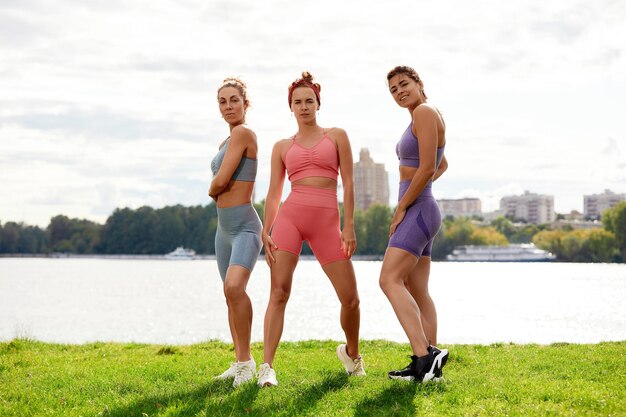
x,y
377,258
155,257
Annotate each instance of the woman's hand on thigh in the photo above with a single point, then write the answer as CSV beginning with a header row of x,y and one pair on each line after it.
x,y
269,246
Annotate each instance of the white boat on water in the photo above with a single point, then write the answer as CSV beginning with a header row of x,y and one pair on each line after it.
x,y
525,252
181,253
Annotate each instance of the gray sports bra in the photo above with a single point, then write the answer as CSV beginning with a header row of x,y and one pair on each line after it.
x,y
246,170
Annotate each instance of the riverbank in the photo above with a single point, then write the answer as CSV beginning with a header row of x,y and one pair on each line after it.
x,y
110,379
152,257
94,256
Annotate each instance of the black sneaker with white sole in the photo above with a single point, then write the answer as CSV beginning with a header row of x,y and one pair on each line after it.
x,y
410,373
424,368
443,358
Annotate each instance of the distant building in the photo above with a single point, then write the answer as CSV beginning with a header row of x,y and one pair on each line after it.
x,y
489,216
574,215
596,204
530,207
460,207
576,224
371,182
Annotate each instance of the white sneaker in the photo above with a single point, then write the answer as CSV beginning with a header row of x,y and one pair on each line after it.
x,y
267,376
244,372
354,367
229,373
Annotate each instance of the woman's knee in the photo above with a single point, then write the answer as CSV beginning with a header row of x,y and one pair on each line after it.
x,y
351,303
279,295
234,292
388,282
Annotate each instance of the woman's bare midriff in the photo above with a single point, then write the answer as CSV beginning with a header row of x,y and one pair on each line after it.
x,y
320,182
236,194
407,173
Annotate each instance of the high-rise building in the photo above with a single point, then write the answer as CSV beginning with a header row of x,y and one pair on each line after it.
x,y
460,207
533,208
596,204
371,182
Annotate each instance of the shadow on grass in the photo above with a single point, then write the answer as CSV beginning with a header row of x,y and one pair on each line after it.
x,y
397,400
237,402
306,399
218,398
192,402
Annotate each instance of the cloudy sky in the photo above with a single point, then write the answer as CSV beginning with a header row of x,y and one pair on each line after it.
x,y
113,104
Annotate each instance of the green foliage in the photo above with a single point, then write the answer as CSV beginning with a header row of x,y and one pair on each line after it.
x,y
72,235
359,230
524,234
376,221
463,231
120,380
614,220
487,236
150,231
168,350
513,233
549,240
371,228
601,246
460,231
158,231
443,245
580,245
126,231
453,232
504,226
19,238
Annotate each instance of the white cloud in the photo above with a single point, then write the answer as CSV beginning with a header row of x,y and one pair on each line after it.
x,y
113,104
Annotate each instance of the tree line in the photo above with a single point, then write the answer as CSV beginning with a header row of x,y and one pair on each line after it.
x,y
142,231
601,244
158,231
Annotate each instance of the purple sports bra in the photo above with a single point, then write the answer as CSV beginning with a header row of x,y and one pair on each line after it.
x,y
408,150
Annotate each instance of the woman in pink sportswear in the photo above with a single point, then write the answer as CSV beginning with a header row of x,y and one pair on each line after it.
x,y
313,159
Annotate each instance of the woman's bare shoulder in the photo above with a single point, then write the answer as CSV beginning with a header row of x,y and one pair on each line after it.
x,y
242,133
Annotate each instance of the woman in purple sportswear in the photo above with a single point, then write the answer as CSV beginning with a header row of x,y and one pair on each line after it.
x,y
416,221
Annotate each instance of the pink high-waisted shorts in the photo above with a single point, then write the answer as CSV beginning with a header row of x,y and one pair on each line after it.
x,y
312,214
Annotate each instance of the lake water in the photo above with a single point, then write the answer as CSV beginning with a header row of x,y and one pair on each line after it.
x,y
181,302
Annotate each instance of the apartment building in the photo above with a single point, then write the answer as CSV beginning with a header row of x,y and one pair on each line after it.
x,y
460,207
371,182
530,207
596,204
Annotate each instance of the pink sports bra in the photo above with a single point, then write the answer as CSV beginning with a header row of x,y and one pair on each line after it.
x,y
320,160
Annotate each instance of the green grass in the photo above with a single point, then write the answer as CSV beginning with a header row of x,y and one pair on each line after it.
x,y
106,379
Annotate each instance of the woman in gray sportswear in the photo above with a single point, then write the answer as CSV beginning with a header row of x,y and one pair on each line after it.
x,y
238,236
